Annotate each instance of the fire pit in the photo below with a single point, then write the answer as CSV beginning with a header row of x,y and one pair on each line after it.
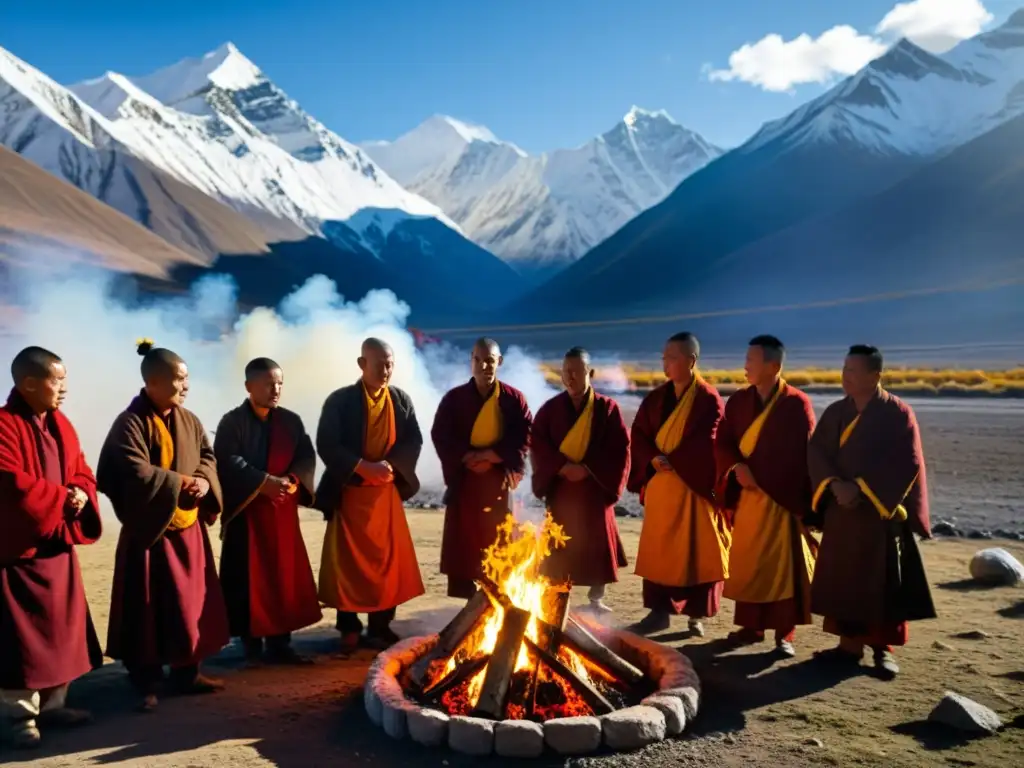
x,y
515,671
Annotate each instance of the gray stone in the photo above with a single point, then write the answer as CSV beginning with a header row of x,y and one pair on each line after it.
x,y
964,714
394,717
573,735
428,727
813,742
997,567
374,708
690,697
672,708
519,738
471,735
633,727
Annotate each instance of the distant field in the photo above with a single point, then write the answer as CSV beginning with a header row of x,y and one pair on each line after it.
x,y
910,381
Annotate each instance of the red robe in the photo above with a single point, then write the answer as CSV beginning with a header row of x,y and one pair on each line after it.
x,y
870,580
264,566
779,465
476,503
585,509
46,632
694,462
166,604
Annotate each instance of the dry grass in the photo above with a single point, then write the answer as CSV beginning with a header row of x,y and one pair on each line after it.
x,y
920,381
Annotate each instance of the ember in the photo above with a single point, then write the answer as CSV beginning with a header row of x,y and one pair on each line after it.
x,y
514,652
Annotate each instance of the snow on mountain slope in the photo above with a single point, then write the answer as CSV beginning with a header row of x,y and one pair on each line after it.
x,y
541,212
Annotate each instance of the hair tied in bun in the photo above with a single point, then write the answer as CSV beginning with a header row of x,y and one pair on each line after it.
x,y
142,346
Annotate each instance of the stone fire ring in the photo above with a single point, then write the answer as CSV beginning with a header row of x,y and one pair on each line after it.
x,y
663,714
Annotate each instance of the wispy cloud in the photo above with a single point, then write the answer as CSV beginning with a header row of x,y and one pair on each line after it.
x,y
775,64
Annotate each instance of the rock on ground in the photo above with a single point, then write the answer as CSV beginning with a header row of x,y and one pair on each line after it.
x,y
633,727
673,709
965,714
996,566
471,735
428,727
519,738
573,735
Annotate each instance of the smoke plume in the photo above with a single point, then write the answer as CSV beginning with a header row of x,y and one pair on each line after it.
x,y
315,334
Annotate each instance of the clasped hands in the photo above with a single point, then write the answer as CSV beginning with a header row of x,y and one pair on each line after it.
x,y
375,472
481,461
573,472
846,492
76,499
278,487
193,489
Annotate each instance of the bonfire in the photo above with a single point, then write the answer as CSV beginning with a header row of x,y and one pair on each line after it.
x,y
514,652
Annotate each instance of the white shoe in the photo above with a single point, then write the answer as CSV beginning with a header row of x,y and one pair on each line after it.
x,y
696,628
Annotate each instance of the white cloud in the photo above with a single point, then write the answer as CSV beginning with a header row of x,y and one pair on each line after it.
x,y
774,64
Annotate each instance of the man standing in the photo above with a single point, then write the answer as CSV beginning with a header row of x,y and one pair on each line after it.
x,y
868,472
47,506
684,543
159,471
370,441
579,451
481,433
761,452
266,462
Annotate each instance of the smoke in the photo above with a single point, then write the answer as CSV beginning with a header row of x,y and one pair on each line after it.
x,y
315,335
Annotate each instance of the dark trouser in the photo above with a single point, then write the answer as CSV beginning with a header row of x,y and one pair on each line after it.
x,y
274,643
377,621
462,588
699,601
147,677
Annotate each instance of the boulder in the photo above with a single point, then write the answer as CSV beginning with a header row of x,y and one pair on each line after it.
x,y
997,567
633,727
672,708
964,714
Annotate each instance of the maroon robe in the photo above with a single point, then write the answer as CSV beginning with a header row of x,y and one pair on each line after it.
x,y
166,605
264,566
46,631
869,580
694,462
476,504
585,509
779,465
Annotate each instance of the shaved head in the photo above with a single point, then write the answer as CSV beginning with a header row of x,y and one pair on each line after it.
x,y
688,342
260,366
377,362
486,361
576,372
679,359
373,344
32,362
487,344
40,378
264,381
578,353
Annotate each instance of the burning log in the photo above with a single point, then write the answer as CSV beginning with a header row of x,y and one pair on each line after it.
x,y
582,642
451,636
455,678
594,698
498,679
549,637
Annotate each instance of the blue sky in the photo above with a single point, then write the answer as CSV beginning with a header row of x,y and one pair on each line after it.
x,y
543,74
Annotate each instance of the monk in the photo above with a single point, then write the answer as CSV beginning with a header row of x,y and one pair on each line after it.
x,y
868,474
370,441
481,433
48,507
763,486
684,542
265,462
579,452
159,471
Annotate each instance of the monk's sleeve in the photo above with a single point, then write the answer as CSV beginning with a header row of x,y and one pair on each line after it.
x,y
727,443
449,447
212,504
888,485
84,526
338,459
32,507
609,467
144,495
822,458
303,466
694,459
515,440
405,453
642,448
240,481
546,461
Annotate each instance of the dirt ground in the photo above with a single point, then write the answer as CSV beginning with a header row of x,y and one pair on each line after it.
x,y
755,711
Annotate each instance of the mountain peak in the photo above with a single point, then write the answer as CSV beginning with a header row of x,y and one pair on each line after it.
x,y
1016,20
469,132
636,114
226,67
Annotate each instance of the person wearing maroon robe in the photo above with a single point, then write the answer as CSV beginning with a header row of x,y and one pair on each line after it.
x,y
48,506
870,489
581,476
763,484
683,552
159,471
265,462
482,445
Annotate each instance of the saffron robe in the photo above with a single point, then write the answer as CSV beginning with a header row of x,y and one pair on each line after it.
x,y
166,605
596,437
46,630
683,555
369,561
869,579
771,559
264,567
476,504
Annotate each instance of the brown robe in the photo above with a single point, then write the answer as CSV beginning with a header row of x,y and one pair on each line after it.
x,y
46,631
869,579
166,605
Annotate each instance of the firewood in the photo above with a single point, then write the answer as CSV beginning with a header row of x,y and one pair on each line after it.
x,y
451,637
549,637
457,676
594,698
578,639
502,664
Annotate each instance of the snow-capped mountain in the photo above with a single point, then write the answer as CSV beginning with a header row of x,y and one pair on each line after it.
x,y
543,211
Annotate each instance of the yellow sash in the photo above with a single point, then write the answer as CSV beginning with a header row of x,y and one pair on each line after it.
x,y
487,428
671,433
183,518
380,425
577,439
749,440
